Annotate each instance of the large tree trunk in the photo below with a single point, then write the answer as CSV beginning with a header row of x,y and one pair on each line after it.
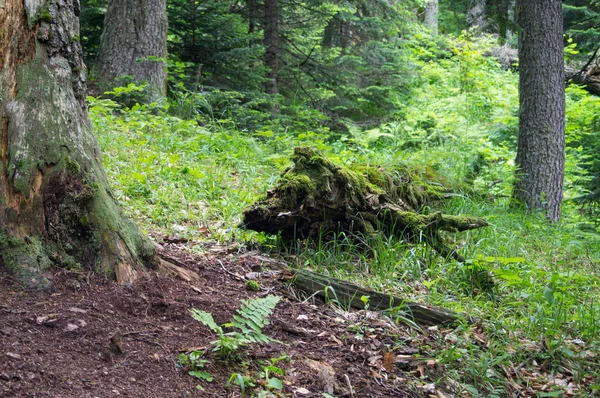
x,y
134,43
541,145
271,42
55,204
431,16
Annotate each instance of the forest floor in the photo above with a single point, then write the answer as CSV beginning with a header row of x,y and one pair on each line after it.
x,y
90,337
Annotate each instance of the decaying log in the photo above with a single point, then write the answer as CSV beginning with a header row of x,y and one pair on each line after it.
x,y
350,294
317,198
588,78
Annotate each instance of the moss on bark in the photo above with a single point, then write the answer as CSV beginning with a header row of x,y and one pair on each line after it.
x,y
316,196
56,207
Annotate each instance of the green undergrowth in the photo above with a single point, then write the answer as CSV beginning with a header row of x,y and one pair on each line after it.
x,y
534,288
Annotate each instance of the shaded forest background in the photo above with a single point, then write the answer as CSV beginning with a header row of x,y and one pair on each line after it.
x,y
356,71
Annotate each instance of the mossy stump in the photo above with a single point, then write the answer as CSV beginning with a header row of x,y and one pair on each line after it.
x,y
316,197
56,207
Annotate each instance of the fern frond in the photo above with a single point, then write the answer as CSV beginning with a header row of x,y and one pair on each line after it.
x,y
250,319
253,316
206,319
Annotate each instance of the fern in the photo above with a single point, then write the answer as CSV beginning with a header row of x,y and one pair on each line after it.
x,y
206,319
249,321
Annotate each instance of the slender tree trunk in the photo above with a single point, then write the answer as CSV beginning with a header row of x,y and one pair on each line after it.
x,y
477,16
55,204
541,145
134,31
253,11
505,16
431,16
511,20
271,42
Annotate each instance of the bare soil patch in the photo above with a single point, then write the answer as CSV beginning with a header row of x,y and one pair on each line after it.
x,y
90,337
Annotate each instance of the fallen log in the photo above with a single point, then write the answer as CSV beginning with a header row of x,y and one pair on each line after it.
x,y
588,78
347,293
317,199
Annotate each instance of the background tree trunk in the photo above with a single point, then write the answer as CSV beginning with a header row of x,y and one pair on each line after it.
x,y
55,204
510,19
477,15
134,30
541,145
271,42
431,16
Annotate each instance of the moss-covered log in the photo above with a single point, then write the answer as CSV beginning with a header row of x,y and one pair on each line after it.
x,y
316,196
55,204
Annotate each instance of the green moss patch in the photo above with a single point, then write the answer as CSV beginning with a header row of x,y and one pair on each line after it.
x,y
25,259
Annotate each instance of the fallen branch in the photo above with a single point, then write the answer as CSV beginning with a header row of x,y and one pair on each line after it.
x,y
589,81
166,266
350,294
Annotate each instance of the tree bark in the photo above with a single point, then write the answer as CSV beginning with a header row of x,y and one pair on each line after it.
x,y
55,204
477,17
134,43
271,42
541,144
431,16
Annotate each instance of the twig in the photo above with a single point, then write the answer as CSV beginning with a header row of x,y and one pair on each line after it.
x,y
142,331
231,273
589,62
349,385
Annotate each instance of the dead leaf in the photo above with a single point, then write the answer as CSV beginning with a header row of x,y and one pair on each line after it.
x,y
388,361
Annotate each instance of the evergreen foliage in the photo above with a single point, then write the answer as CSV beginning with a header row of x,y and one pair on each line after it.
x,y
582,22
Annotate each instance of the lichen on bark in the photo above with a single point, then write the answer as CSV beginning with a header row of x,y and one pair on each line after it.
x,y
315,197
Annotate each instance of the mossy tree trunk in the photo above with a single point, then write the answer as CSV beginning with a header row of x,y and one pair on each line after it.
x,y
134,43
55,204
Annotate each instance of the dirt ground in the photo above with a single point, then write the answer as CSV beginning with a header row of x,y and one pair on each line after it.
x,y
90,337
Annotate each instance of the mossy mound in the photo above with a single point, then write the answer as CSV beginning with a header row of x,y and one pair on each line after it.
x,y
316,196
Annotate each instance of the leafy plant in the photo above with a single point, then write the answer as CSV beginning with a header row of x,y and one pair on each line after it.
x,y
251,318
268,378
194,362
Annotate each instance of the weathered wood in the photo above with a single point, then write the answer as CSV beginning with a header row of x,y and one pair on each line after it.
x,y
590,81
317,198
588,76
347,293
